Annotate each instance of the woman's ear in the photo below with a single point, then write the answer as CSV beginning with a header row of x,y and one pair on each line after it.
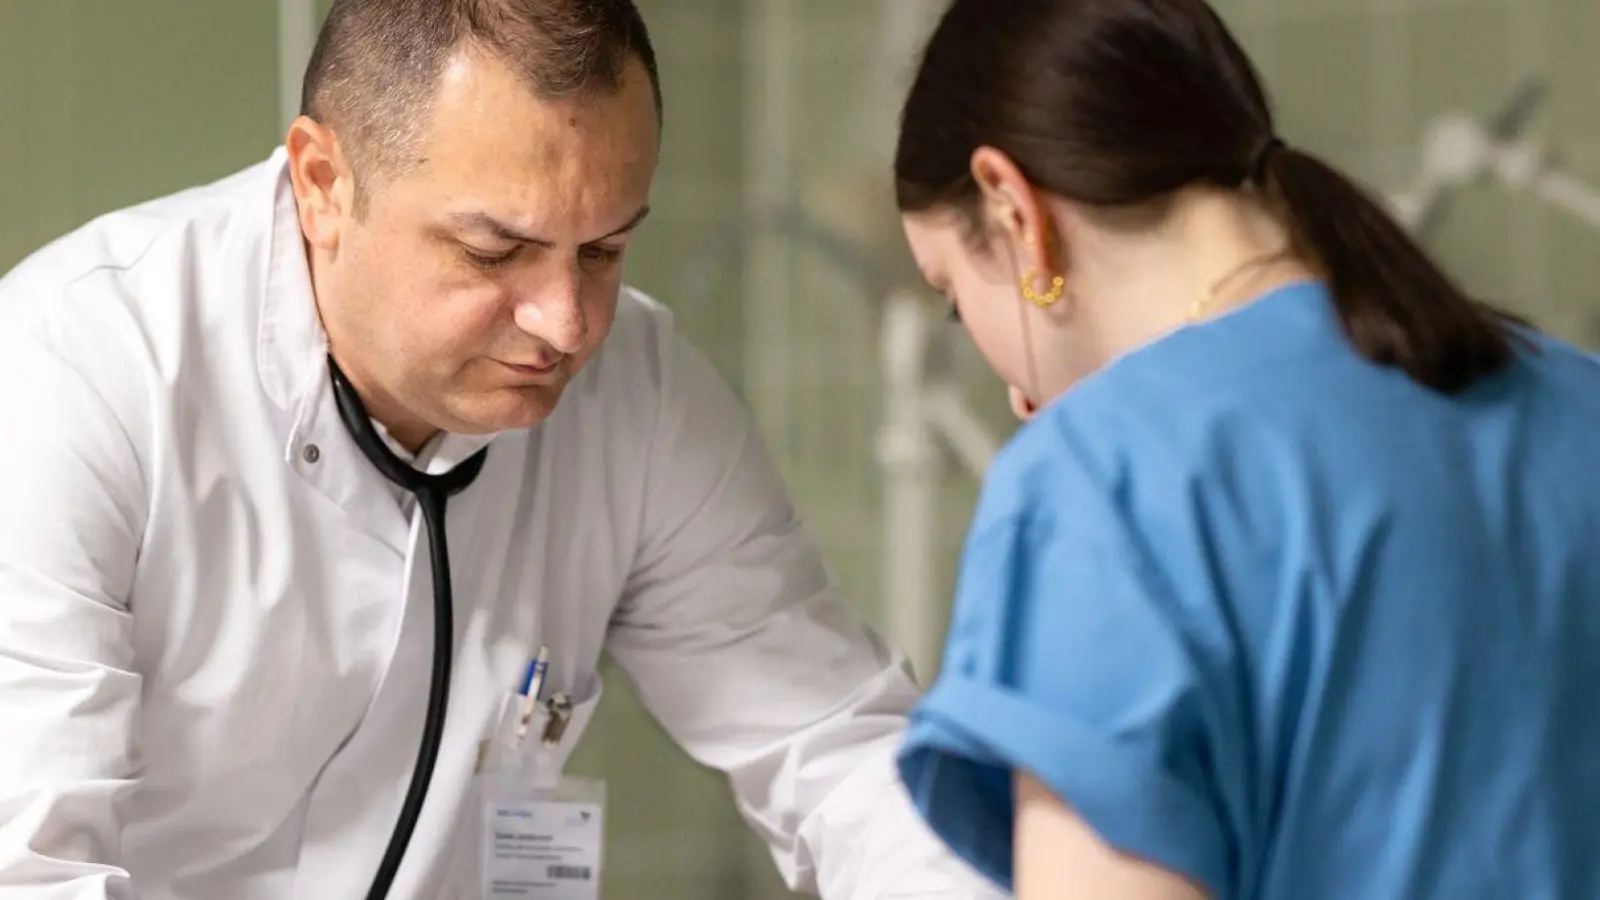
x,y
1013,209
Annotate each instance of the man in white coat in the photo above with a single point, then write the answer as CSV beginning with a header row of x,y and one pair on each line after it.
x,y
217,615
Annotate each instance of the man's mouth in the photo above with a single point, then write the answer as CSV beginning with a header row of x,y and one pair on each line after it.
x,y
536,369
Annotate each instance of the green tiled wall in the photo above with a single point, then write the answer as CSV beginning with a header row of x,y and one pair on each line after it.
x,y
110,101
107,102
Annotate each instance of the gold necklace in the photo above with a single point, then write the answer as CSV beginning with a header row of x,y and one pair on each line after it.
x,y
1198,308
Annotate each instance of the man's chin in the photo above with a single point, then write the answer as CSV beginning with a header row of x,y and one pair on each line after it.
x,y
507,409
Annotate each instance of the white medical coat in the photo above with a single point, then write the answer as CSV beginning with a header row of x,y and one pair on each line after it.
x,y
216,620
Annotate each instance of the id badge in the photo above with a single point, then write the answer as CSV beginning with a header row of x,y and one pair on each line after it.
x,y
540,835
542,843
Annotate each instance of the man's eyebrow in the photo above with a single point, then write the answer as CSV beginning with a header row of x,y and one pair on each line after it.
x,y
632,223
483,222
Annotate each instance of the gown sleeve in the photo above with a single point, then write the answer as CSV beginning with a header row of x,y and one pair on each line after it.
x,y
1068,658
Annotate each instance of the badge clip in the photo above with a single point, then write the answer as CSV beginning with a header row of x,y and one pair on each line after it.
x,y
560,715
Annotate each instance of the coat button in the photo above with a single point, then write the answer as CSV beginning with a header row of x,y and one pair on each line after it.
x,y
311,454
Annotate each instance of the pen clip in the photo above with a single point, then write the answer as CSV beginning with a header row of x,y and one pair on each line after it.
x,y
560,715
532,686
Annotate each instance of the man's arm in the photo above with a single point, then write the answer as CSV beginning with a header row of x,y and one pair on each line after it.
x,y
742,648
71,510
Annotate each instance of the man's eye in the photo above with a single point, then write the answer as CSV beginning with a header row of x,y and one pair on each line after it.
x,y
602,254
488,260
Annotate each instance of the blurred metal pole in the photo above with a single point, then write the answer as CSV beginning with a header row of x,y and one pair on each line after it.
x,y
297,37
906,24
913,472
771,67
909,456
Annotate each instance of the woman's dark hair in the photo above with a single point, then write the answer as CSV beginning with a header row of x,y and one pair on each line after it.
x,y
1120,103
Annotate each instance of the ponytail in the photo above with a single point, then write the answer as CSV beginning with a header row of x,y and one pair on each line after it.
x,y
1398,308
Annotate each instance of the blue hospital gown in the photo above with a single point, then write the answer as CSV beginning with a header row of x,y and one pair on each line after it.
x,y
1286,623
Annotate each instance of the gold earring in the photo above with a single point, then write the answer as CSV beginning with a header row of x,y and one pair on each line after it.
x,y
1058,286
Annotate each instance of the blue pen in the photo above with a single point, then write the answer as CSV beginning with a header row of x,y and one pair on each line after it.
x,y
532,682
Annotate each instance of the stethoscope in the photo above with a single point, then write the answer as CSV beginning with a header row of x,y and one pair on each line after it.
x,y
432,492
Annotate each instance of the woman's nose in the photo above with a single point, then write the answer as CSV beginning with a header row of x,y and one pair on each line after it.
x,y
1020,404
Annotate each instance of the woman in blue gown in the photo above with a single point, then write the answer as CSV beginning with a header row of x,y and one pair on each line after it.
x,y
1290,586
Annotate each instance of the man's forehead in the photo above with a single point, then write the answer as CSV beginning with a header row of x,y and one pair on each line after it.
x,y
480,93
592,163
495,151
546,152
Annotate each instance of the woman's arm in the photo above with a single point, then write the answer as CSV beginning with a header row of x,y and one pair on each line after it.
x,y
1059,857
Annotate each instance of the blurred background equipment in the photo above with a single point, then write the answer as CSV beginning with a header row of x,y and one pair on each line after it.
x,y
775,240
1456,152
1459,152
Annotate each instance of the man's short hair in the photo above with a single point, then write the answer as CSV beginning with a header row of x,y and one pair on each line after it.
x,y
377,64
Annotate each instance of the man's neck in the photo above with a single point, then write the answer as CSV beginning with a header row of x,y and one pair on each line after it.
x,y
411,433
405,429
412,440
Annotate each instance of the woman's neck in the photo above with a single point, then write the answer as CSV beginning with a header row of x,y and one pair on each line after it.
x,y
1213,251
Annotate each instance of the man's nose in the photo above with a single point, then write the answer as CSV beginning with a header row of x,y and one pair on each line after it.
x,y
553,312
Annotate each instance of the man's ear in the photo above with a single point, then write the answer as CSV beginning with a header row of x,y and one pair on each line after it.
x,y
324,187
